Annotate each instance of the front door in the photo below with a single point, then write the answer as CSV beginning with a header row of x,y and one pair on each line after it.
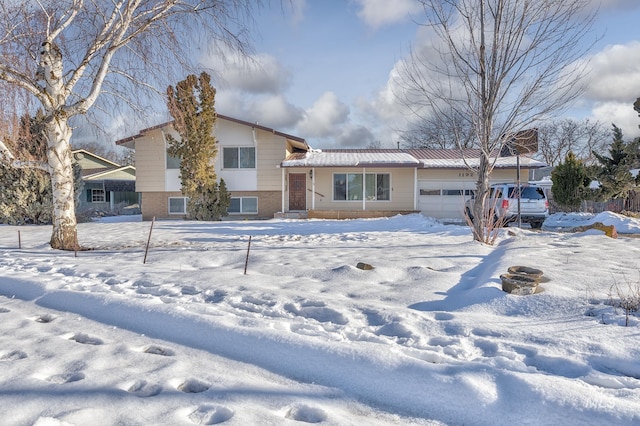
x,y
297,191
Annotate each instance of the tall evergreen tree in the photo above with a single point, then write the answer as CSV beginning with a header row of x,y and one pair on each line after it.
x,y
570,183
613,172
192,106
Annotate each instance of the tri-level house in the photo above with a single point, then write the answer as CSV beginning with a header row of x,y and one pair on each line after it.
x,y
270,173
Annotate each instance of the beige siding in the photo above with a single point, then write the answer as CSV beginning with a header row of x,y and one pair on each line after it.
x,y
498,175
402,190
270,153
150,162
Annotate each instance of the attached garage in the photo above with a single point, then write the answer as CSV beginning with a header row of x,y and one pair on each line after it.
x,y
443,199
445,181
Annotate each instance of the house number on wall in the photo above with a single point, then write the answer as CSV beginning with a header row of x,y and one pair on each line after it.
x,y
466,174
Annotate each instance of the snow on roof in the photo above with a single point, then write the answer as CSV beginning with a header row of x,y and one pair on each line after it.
x,y
351,158
421,158
501,162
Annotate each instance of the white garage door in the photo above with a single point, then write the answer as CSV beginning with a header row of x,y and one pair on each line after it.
x,y
443,199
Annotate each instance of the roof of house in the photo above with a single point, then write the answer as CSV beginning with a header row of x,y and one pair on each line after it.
x,y
220,116
351,158
101,168
103,174
418,158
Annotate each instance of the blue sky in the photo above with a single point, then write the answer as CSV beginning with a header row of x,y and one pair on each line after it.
x,y
321,70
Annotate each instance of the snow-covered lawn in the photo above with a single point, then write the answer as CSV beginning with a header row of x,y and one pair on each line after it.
x,y
427,337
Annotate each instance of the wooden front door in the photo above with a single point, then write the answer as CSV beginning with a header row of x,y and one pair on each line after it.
x,y
297,191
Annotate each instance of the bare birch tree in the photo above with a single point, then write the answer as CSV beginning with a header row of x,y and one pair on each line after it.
x,y
66,54
496,67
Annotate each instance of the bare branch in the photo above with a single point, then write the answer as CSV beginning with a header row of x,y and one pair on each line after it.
x,y
500,65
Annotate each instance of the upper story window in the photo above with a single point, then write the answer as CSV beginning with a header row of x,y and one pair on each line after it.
x,y
239,157
172,162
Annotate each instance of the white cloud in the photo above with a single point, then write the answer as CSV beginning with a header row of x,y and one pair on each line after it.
x,y
275,112
621,114
615,74
259,73
325,117
377,13
271,111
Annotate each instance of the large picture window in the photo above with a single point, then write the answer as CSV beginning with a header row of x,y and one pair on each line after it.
x,y
348,186
243,205
239,157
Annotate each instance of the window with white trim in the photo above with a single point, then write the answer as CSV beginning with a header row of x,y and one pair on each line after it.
x,y
173,162
348,186
178,205
98,196
239,157
243,205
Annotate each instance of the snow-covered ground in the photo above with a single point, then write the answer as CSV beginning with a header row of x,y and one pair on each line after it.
x,y
427,337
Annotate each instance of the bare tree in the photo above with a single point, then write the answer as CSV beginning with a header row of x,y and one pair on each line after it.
x,y
68,53
444,131
500,66
556,138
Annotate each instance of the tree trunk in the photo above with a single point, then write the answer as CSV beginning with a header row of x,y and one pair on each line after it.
x,y
58,134
481,211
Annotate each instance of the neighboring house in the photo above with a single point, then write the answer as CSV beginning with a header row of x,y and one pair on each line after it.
x,y
270,173
248,158
106,184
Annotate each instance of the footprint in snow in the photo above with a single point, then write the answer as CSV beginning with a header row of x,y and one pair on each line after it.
x,y
85,339
394,329
4,310
374,318
306,414
63,378
189,290
316,311
216,296
211,414
46,318
443,316
157,350
144,389
13,356
193,386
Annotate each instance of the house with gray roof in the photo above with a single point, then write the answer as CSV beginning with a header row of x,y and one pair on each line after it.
x,y
274,174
